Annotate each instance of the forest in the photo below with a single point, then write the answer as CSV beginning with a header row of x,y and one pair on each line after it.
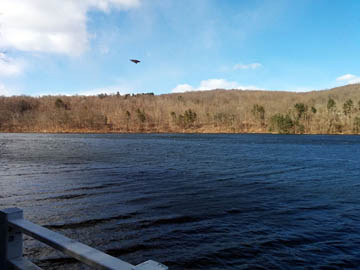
x,y
332,111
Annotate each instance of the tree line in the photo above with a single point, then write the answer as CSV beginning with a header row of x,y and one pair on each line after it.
x,y
334,111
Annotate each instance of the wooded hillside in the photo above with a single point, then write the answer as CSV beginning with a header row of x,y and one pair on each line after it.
x,y
335,111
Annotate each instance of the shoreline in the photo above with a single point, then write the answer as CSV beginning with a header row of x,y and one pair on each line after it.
x,y
165,132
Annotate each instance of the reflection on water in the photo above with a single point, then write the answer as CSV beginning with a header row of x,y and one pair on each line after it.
x,y
190,201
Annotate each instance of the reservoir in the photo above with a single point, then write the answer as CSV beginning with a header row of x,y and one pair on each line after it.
x,y
190,201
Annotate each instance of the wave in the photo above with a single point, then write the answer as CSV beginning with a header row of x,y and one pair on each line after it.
x,y
90,222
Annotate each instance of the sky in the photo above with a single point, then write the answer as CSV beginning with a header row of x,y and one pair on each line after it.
x,y
69,47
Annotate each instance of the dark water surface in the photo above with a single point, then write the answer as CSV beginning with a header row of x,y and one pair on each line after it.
x,y
190,201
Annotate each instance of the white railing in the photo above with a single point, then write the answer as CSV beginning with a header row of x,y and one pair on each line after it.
x,y
12,227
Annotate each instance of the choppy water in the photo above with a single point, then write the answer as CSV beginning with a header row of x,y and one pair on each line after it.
x,y
190,201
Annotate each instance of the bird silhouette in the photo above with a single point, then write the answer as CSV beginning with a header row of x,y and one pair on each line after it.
x,y
135,61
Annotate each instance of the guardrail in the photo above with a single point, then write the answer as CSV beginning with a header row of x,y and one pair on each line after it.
x,y
12,227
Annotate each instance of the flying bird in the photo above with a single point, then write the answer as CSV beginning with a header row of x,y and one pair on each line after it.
x,y
135,61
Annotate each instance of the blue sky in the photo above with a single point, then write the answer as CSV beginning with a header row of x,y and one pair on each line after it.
x,y
50,47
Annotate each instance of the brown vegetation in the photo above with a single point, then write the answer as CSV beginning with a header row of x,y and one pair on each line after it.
x,y
335,111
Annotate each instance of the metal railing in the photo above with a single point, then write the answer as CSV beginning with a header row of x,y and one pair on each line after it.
x,y
12,227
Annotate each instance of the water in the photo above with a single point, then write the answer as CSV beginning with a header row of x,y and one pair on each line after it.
x,y
190,201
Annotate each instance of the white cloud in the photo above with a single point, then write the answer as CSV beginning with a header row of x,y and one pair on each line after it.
x,y
300,89
105,5
212,84
345,77
4,91
122,87
248,66
51,25
182,88
348,79
98,91
10,66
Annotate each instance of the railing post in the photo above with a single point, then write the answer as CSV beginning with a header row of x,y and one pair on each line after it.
x,y
11,242
12,227
150,265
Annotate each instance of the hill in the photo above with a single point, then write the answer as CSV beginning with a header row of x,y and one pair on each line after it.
x,y
333,111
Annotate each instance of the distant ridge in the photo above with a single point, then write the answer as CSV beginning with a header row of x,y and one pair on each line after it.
x,y
330,111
